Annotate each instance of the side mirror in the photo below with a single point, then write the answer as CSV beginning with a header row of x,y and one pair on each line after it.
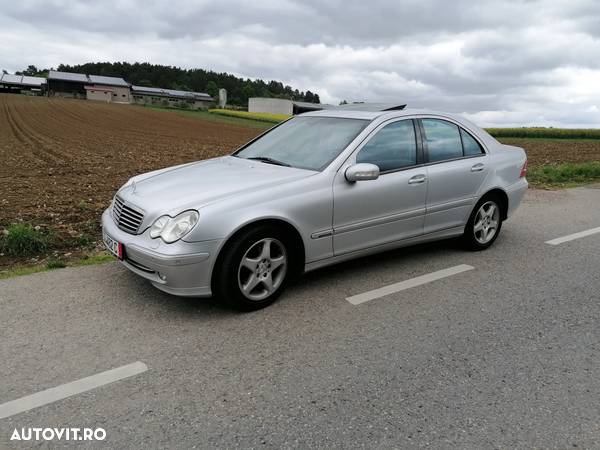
x,y
362,172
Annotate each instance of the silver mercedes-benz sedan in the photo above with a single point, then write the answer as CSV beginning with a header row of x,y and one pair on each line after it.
x,y
315,190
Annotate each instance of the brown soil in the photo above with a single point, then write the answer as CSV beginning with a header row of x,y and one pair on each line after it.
x,y
62,160
555,151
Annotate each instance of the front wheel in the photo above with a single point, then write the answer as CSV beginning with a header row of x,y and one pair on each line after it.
x,y
484,224
254,269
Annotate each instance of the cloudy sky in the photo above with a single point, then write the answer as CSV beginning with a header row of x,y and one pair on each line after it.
x,y
499,62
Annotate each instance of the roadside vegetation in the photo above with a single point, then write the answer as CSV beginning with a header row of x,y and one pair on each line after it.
x,y
52,264
22,239
564,175
35,249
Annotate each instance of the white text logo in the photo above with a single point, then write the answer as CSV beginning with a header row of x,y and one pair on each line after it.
x,y
68,434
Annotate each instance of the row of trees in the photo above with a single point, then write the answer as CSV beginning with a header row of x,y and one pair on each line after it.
x,y
199,80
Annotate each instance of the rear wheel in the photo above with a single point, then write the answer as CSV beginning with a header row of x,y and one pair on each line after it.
x,y
484,224
254,268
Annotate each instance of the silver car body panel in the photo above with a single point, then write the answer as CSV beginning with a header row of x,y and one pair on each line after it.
x,y
336,220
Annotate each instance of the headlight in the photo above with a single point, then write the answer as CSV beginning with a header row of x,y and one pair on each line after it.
x,y
171,229
159,225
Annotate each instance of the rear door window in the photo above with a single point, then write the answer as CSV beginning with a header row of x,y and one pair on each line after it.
x,y
470,145
443,140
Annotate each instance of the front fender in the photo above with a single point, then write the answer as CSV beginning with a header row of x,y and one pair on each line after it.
x,y
307,207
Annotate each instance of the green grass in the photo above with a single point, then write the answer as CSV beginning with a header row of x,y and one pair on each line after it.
x,y
21,271
55,264
87,260
205,115
261,117
23,240
84,206
564,175
96,258
83,240
549,133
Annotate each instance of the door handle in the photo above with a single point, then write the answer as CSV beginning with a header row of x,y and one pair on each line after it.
x,y
417,179
477,167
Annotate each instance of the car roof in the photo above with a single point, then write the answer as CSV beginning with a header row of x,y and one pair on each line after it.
x,y
347,113
343,114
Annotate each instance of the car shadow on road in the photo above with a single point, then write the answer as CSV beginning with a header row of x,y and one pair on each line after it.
x,y
415,253
149,296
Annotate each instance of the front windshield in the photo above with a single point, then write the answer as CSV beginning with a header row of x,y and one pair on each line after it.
x,y
305,142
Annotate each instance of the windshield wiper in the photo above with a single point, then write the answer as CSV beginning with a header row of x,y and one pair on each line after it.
x,y
269,160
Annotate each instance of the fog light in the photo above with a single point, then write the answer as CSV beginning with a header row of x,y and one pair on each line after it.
x,y
162,276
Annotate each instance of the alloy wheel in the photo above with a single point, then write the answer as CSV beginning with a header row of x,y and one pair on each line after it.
x,y
262,269
486,222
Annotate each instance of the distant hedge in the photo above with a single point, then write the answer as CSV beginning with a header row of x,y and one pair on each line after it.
x,y
551,133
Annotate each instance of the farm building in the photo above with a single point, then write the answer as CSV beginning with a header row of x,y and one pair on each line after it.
x,y
22,84
64,84
282,106
170,97
91,87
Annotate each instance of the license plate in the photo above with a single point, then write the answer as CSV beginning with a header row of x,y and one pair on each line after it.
x,y
116,248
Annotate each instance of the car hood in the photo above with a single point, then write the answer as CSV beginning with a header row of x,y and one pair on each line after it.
x,y
191,186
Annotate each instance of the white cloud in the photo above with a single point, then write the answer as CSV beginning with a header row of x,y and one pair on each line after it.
x,y
500,63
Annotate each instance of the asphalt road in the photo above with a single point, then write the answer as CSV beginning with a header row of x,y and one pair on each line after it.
x,y
503,356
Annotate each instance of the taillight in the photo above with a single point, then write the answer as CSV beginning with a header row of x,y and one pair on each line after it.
x,y
523,170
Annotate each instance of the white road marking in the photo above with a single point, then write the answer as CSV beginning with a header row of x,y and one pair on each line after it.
x,y
407,284
573,236
67,390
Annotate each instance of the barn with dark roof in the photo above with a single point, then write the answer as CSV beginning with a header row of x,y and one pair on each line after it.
x,y
91,87
170,97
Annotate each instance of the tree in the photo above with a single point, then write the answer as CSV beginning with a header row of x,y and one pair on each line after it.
x,y
212,89
31,70
344,102
179,87
247,91
316,98
4,71
308,97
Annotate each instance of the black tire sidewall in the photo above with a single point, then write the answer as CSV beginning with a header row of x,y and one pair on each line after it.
x,y
226,284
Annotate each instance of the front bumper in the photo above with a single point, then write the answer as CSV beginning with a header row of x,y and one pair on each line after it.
x,y
181,268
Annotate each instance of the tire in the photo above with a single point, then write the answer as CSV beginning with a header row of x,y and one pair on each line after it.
x,y
254,268
484,224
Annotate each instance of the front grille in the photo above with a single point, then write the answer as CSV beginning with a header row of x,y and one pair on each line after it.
x,y
127,218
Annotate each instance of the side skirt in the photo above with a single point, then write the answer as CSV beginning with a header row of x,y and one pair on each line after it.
x,y
442,234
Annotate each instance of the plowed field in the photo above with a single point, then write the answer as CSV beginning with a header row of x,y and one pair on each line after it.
x,y
62,160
